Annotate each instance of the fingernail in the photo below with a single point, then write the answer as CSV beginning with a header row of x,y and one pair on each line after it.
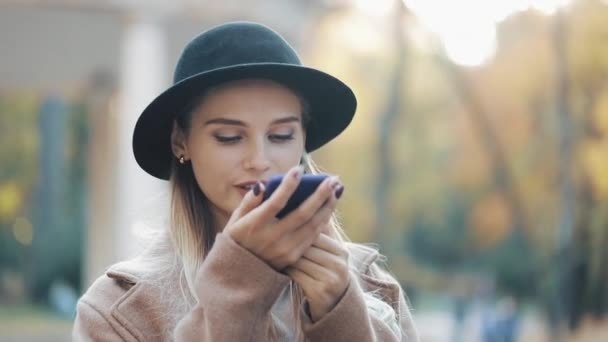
x,y
335,182
298,172
256,189
339,191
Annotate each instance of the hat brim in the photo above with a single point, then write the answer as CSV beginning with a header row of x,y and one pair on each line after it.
x,y
332,107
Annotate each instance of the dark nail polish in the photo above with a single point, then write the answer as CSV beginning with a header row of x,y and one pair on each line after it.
x,y
339,191
256,189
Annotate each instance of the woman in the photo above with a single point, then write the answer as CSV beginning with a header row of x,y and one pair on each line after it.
x,y
243,108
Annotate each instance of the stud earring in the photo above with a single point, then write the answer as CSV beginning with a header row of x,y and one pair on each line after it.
x,y
182,160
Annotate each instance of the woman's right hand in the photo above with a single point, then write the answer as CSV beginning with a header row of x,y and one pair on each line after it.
x,y
282,242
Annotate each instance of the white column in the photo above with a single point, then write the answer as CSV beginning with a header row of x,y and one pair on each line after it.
x,y
100,216
135,195
142,78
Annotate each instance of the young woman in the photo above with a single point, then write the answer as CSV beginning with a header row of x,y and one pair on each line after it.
x,y
243,108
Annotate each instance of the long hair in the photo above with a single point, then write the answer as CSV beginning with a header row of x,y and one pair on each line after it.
x,y
192,227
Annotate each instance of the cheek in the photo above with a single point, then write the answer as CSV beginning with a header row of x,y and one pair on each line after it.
x,y
286,156
213,163
210,165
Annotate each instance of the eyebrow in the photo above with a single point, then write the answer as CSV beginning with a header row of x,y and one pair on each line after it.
x,y
224,121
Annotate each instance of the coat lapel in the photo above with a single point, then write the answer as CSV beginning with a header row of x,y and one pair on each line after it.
x,y
140,310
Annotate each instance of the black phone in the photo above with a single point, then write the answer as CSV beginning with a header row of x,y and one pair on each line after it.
x,y
308,184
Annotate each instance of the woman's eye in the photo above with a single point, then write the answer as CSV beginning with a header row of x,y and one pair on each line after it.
x,y
281,137
228,139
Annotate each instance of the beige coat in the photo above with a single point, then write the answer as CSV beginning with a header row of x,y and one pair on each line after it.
x,y
240,296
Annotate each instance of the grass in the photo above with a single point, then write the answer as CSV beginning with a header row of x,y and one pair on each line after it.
x,y
32,323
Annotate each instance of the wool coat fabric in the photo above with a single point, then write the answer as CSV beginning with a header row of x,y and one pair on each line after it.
x,y
240,297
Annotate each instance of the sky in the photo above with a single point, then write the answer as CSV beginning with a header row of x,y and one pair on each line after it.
x,y
466,28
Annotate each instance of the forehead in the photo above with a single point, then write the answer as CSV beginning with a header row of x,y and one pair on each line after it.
x,y
245,97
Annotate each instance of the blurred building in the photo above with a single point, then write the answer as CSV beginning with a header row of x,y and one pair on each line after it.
x,y
119,55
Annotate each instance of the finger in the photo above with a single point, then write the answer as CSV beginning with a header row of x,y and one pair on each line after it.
x,y
321,219
329,244
302,238
300,277
277,201
252,199
312,269
326,229
322,258
310,206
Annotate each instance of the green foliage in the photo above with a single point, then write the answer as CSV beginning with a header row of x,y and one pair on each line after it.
x,y
42,248
439,238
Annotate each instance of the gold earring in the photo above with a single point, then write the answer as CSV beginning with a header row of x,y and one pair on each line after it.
x,y
182,160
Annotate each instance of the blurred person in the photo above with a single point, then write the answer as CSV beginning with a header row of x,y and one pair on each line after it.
x,y
502,323
243,108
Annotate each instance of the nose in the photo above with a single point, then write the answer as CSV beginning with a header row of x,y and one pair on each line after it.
x,y
257,157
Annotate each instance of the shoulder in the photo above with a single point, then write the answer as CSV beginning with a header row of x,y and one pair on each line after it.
x,y
373,278
96,315
158,261
382,284
127,300
364,262
362,256
110,287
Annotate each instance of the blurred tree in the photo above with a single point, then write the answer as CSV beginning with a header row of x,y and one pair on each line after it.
x,y
588,63
42,190
565,149
396,105
46,245
18,152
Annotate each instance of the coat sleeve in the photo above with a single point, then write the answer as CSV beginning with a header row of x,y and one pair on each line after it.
x,y
236,291
352,320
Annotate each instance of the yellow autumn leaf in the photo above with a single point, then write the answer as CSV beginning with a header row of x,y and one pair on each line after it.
x,y
594,159
490,220
10,200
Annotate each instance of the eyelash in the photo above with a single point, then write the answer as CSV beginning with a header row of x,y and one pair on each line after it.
x,y
280,138
227,140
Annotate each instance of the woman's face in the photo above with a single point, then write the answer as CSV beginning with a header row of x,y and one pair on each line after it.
x,y
240,133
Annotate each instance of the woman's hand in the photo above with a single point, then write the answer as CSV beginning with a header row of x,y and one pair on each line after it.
x,y
322,273
282,242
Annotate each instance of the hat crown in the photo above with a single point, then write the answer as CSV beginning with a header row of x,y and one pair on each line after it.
x,y
233,44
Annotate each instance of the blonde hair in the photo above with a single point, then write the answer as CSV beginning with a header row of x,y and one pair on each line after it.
x,y
192,231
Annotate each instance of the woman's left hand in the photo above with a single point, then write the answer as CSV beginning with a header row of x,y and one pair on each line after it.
x,y
322,273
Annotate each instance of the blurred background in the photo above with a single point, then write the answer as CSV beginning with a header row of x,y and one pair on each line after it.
x,y
477,161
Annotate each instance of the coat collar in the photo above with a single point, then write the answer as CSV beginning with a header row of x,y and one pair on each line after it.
x,y
146,309
122,276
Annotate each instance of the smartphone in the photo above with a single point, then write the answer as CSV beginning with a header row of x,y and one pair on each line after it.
x,y
308,184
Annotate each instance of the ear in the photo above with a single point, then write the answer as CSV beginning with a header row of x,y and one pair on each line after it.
x,y
178,142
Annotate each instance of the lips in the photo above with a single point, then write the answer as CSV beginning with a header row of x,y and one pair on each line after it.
x,y
248,185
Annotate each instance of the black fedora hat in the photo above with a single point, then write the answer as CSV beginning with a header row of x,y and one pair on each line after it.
x,y
235,51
